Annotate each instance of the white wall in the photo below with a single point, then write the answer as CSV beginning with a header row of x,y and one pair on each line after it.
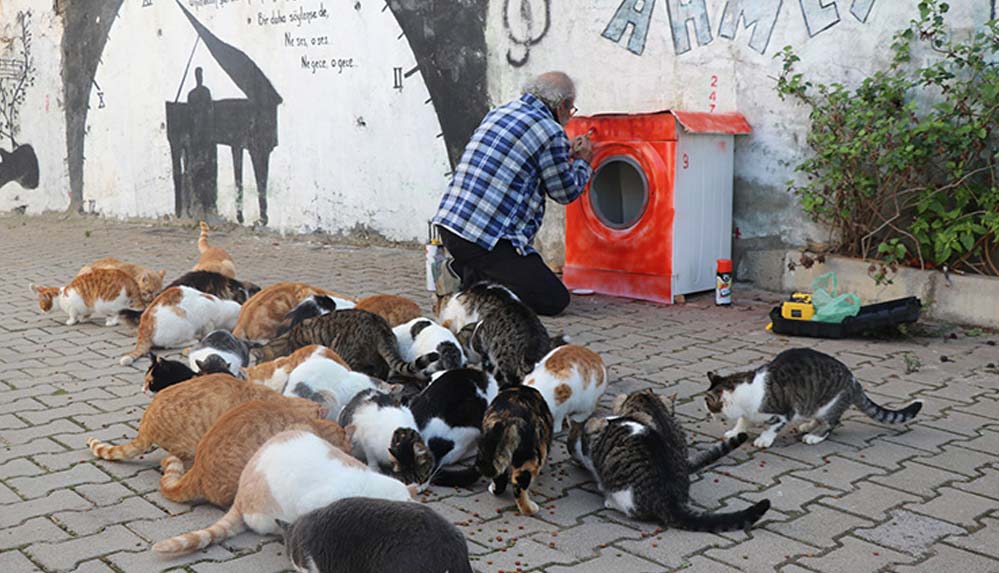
x,y
42,118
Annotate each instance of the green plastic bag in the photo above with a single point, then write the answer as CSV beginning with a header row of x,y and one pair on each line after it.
x,y
830,306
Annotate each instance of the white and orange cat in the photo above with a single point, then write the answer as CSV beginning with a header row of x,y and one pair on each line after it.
x,y
213,259
150,282
179,317
274,373
571,379
292,474
102,292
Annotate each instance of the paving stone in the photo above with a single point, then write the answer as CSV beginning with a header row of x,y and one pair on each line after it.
x,y
529,553
674,547
270,558
955,506
790,494
986,486
919,479
987,442
924,438
31,487
66,554
947,558
856,556
16,562
984,541
94,566
87,522
19,467
762,551
105,493
610,560
870,500
142,559
839,473
908,532
957,459
32,530
820,526
16,513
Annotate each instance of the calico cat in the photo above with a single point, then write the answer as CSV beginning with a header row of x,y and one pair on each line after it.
x,y
274,373
311,307
179,416
422,336
150,282
644,473
800,386
386,436
264,311
321,380
293,473
393,308
227,447
163,373
222,343
178,317
516,437
572,379
362,535
362,338
213,259
217,284
449,415
102,292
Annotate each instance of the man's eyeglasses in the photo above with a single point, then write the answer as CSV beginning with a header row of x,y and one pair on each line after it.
x,y
573,110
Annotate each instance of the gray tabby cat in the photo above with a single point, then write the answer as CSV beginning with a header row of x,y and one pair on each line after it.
x,y
639,459
508,339
366,535
800,386
363,339
221,343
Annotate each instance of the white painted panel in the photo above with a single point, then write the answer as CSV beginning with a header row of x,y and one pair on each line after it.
x,y
702,228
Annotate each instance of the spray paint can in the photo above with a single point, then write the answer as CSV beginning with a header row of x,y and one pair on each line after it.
x,y
723,282
434,253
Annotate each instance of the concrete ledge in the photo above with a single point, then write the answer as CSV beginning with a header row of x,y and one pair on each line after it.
x,y
970,300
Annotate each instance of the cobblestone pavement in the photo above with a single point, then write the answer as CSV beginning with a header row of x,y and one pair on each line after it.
x,y
871,498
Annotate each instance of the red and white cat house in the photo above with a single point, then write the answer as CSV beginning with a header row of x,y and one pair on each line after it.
x,y
657,213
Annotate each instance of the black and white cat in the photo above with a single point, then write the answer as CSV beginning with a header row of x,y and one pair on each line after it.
x,y
639,459
385,435
163,373
799,386
448,414
234,351
366,535
421,337
312,306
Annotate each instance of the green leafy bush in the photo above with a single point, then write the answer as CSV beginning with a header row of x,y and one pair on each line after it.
x,y
904,168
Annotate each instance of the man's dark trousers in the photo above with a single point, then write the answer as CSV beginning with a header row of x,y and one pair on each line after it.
x,y
527,276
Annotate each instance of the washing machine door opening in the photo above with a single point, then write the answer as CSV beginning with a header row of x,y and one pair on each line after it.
x,y
619,192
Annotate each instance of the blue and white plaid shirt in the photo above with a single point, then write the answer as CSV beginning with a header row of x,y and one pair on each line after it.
x,y
518,154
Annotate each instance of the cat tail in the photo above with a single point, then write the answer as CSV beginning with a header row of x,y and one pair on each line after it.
x,y
230,525
884,415
703,459
203,238
176,485
130,317
559,340
463,477
389,352
683,517
133,449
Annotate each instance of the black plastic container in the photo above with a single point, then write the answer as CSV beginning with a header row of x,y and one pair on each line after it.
x,y
871,317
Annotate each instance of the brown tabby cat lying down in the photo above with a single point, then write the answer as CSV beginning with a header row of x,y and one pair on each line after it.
x,y
262,314
179,416
228,446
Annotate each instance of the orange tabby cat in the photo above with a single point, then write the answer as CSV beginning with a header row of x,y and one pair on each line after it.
x,y
274,373
226,448
179,415
262,314
103,292
150,282
214,259
394,309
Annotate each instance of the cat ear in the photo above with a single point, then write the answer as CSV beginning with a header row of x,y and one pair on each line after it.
x,y
282,525
153,358
162,274
714,378
618,403
201,365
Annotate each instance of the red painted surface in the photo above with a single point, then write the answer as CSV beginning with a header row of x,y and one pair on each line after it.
x,y
635,262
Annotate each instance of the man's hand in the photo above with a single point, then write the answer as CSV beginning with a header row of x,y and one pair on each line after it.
x,y
582,148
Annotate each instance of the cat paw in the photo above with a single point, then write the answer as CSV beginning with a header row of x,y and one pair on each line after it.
x,y
812,439
732,433
126,360
492,488
764,441
111,321
71,322
528,507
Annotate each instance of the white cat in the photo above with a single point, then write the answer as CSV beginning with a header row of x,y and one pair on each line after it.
x,y
292,474
274,373
421,337
180,316
385,434
571,379
327,378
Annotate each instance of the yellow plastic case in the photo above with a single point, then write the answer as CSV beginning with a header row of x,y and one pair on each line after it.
x,y
797,310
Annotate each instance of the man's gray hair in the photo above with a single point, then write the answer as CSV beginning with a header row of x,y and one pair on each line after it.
x,y
552,88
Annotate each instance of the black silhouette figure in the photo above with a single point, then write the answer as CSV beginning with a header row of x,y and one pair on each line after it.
x,y
202,153
249,124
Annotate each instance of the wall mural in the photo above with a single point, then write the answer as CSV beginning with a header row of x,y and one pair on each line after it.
x,y
17,74
526,23
448,52
759,15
